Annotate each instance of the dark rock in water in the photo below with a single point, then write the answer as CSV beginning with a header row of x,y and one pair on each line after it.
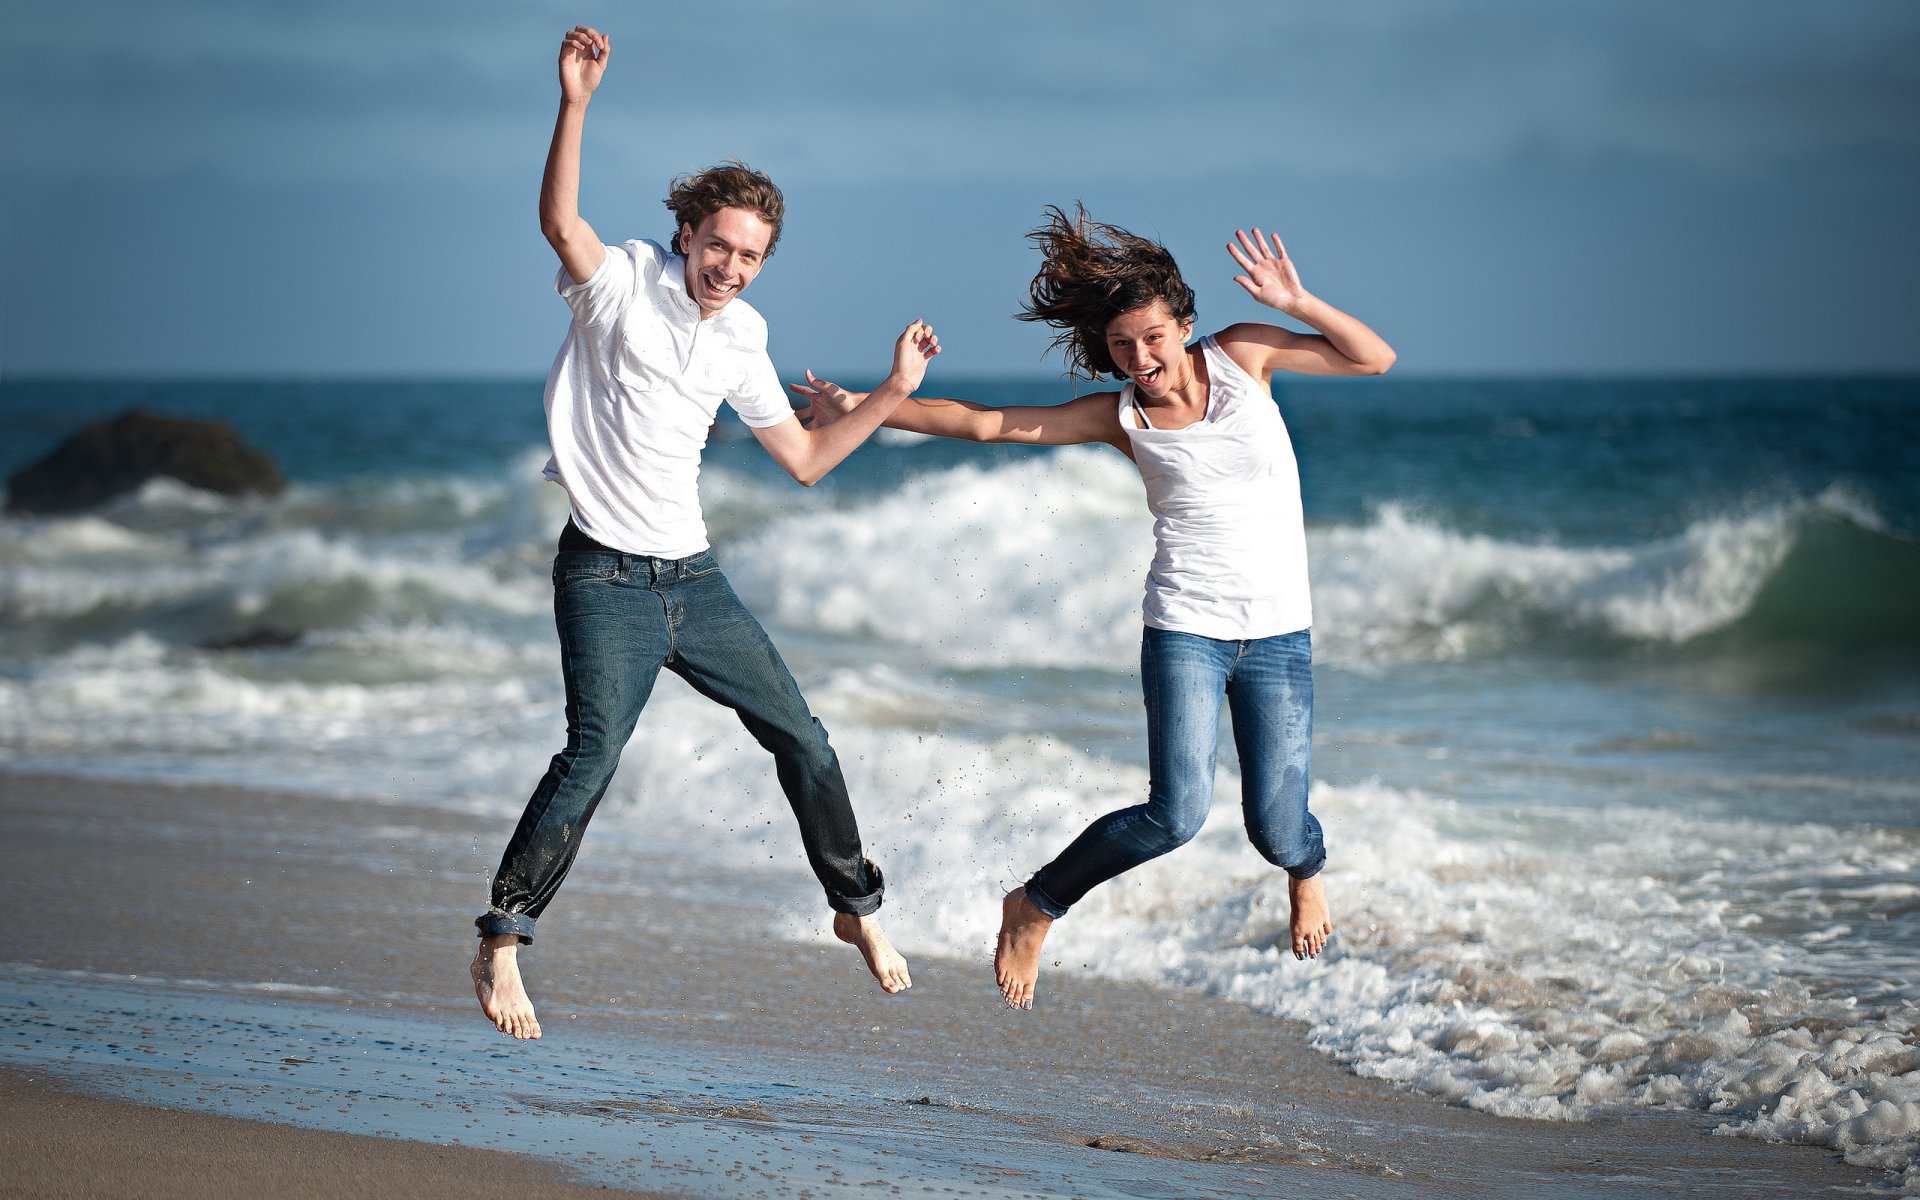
x,y
118,455
265,637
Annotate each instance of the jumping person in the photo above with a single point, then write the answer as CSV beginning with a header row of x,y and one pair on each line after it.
x,y
1227,610
659,339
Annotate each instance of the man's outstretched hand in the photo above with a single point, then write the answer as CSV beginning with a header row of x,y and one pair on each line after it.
x,y
911,353
827,401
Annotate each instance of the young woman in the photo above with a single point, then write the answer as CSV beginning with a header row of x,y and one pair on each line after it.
x,y
1227,611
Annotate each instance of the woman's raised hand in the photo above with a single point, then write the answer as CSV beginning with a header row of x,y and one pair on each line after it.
x,y
1269,276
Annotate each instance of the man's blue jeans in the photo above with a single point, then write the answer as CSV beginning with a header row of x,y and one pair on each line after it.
x,y
621,618
1267,684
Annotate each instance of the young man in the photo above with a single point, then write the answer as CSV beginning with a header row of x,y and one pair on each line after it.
x,y
659,339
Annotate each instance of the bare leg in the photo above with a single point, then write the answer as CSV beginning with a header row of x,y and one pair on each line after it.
x,y
1311,924
1016,956
496,981
865,935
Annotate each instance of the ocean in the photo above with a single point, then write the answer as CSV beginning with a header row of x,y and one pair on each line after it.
x,y
1617,740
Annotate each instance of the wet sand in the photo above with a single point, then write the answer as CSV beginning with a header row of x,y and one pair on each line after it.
x,y
301,961
60,1143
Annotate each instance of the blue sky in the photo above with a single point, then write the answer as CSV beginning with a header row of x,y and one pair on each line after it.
x,y
217,187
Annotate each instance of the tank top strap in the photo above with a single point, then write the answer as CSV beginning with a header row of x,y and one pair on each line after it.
x,y
1228,383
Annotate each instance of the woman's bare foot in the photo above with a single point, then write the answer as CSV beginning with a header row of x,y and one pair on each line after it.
x,y
1016,956
496,981
1312,925
865,935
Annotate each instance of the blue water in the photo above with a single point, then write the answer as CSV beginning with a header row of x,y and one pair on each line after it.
x,y
1581,459
1618,725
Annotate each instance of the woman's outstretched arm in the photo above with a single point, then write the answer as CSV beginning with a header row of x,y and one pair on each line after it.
x,y
1092,418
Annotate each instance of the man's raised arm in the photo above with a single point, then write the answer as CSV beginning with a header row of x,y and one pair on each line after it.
x,y
583,59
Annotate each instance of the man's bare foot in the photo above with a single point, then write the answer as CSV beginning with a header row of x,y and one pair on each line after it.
x,y
1016,955
496,980
1311,924
865,935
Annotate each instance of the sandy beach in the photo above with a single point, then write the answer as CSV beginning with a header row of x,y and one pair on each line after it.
x,y
284,976
62,1143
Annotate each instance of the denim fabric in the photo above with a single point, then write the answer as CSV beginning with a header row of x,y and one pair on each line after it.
x,y
1267,684
621,618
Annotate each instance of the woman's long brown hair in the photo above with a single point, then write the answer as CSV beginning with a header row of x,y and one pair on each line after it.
x,y
1089,274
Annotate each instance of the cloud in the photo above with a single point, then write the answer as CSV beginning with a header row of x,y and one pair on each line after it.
x,y
865,90
1611,186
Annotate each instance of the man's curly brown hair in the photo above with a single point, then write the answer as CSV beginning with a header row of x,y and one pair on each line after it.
x,y
732,184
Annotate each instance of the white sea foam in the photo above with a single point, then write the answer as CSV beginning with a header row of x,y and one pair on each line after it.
x,y
1546,964
1038,563
1538,961
69,569
1042,563
1402,587
334,718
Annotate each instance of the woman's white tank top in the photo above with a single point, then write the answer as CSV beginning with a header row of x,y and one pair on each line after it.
x,y
1230,541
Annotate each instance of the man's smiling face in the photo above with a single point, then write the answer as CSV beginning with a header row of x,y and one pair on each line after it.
x,y
724,254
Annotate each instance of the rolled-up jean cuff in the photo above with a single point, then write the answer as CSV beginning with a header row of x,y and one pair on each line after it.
x,y
862,906
496,923
1038,897
1310,870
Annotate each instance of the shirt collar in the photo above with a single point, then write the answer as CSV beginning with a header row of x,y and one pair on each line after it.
x,y
673,274
673,278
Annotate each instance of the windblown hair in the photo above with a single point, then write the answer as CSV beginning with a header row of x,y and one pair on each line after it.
x,y
732,184
1091,273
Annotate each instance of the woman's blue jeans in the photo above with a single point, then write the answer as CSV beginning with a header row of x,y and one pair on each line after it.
x,y
1267,684
621,618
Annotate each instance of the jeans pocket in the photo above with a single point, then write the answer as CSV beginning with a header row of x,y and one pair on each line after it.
x,y
700,565
566,575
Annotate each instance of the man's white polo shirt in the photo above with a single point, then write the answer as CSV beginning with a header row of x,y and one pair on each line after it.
x,y
634,391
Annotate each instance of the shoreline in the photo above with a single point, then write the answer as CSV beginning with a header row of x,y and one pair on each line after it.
x,y
301,960
59,1141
